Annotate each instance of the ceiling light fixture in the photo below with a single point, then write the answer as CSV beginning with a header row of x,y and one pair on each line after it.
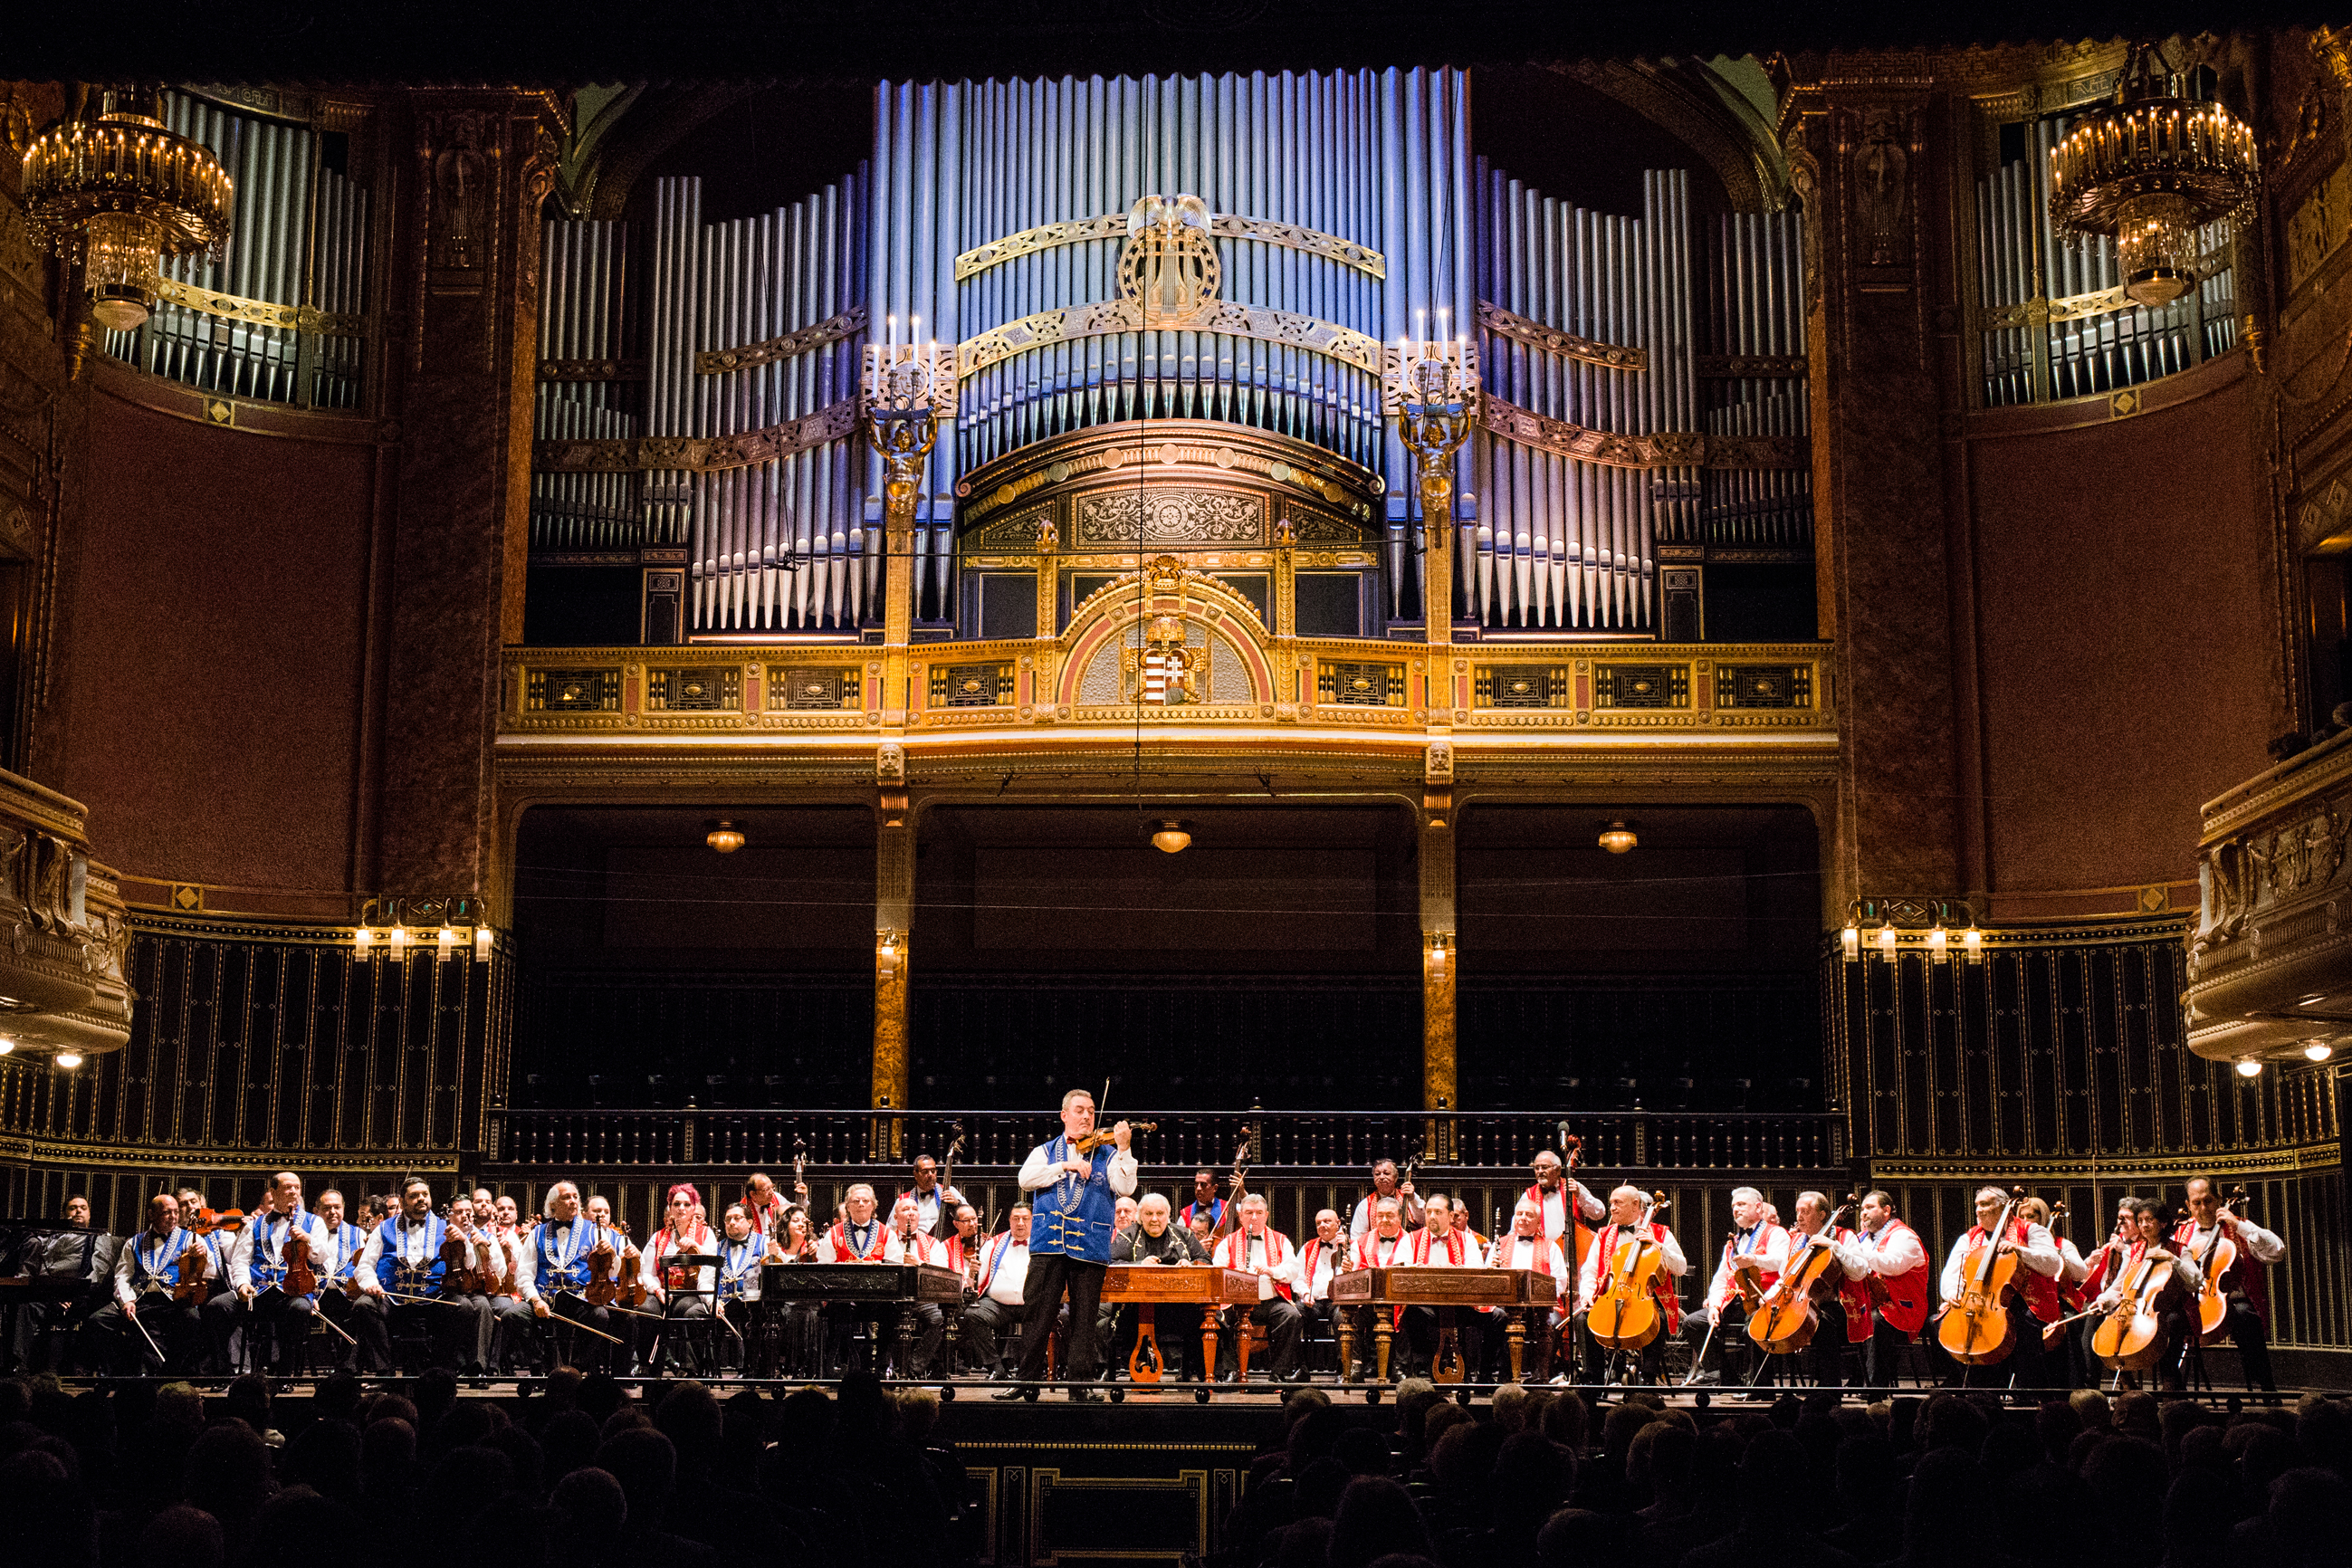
x,y
726,839
68,1059
2249,1067
1172,838
1617,838
2318,1051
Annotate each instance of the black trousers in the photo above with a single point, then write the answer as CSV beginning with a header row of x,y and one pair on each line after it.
x,y
1050,1275
2025,1366
2252,1337
1881,1353
283,1322
1283,1324
587,1351
1421,1332
453,1330
114,1340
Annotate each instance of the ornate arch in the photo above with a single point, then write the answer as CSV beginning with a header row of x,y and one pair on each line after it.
x,y
1166,641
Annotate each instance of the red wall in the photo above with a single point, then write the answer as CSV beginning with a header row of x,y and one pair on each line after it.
x,y
211,669
2122,638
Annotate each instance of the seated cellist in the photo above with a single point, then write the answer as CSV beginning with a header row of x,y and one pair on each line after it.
x,y
1756,1251
2175,1301
1626,1206
2033,1289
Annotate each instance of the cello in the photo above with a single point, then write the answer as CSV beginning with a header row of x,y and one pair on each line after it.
x,y
1625,1314
1975,1325
2219,1255
2127,1336
1785,1319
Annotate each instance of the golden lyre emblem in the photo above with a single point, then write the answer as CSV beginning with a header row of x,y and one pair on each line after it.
x,y
1170,268
1165,673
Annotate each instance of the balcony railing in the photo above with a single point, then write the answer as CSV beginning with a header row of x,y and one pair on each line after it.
x,y
1281,1143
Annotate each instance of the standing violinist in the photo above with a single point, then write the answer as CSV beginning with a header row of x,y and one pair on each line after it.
x,y
2032,1288
2174,1303
560,1245
258,1295
145,1272
509,1262
1626,1206
2248,1323
763,1202
1752,1257
403,1273
1895,1261
1073,1191
1563,1200
340,1245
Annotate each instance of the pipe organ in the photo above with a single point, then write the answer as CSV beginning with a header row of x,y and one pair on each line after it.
x,y
282,314
1099,259
2054,321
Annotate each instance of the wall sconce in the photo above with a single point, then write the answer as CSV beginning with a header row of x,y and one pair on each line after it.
x,y
484,937
1440,954
68,1059
886,955
393,926
1886,940
2249,1066
1930,919
396,943
1972,944
1850,940
1938,944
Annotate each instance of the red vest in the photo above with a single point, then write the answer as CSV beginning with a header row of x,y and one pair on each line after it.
x,y
2245,1274
1853,1293
1234,1250
1906,1306
2040,1290
1455,1248
840,1239
1764,1277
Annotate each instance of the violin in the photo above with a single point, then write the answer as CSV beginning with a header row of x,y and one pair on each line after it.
x,y
1087,1142
458,1275
2219,1255
300,1277
194,1288
210,1220
1975,1326
1626,1314
603,1260
2126,1338
628,1284
1786,1320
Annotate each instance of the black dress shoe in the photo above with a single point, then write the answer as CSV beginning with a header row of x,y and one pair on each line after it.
x,y
1086,1396
1009,1394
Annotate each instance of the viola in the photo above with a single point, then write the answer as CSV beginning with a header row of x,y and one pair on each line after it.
x,y
2220,1255
2126,1338
1787,1320
301,1279
1975,1326
1626,1314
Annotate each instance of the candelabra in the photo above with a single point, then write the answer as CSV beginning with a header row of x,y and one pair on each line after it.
x,y
445,925
1432,387
909,391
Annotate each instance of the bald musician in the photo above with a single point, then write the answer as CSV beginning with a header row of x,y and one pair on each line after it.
x,y
1626,1206
2033,1289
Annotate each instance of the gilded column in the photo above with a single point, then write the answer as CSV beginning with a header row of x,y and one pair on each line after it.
x,y
894,908
1439,1089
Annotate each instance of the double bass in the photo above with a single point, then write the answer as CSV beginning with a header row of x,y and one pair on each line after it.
x,y
1626,1314
1975,1326
2220,1255
1785,1319
1571,1147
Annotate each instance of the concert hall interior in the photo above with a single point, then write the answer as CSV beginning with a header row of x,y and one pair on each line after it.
x,y
841,671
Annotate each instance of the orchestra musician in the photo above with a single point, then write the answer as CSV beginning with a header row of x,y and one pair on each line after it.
x,y
258,1295
1755,1253
2074,1272
802,1323
1155,1237
1003,1274
1441,1242
763,1204
1381,1247
673,1290
144,1308
1895,1273
962,1244
401,1271
560,1246
1204,1201
1256,1247
340,1243
1323,1255
1561,1201
2248,1323
510,1260
1385,1185
483,1257
1073,1196
1626,1206
935,1205
2034,1287
2175,1303
910,1243
1527,1246
743,1252
77,1267
1840,1317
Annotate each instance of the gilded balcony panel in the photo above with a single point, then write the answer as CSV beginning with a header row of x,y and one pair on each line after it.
x,y
2270,965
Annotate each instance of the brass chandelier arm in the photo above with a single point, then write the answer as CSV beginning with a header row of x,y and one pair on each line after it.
x,y
1493,318
1106,318
1224,226
237,308
716,362
700,454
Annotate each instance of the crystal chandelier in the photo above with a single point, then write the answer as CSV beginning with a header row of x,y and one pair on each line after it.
x,y
120,192
2151,169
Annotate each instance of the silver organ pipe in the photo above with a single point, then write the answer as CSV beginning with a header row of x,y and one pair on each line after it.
x,y
1561,542
778,545
299,234
1757,323
2052,324
583,303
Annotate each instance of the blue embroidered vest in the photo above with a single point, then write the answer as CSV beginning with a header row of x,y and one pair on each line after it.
x,y
561,1264
739,1266
347,1239
393,1271
1072,1217
268,1264
152,1262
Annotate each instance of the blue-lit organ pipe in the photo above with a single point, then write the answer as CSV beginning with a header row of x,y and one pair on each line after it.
x,y
1559,542
2020,259
298,235
1375,157
780,545
1755,310
583,302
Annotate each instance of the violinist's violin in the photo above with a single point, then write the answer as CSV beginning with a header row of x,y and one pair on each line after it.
x,y
209,1220
458,1275
1626,1312
603,1262
1975,1326
1787,1319
195,1286
301,1279
1087,1142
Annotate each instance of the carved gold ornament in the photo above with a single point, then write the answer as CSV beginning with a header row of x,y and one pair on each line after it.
x,y
1223,226
1168,270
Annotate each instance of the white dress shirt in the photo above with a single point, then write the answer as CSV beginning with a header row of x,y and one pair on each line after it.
x,y
2265,1247
245,1248
1890,1252
1246,1252
1004,1269
1517,1251
1765,1242
1040,1169
2036,1252
1555,1207
1588,1278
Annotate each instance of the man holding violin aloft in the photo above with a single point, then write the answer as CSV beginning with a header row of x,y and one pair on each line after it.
x,y
2246,1318
148,1312
260,1292
2140,1276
